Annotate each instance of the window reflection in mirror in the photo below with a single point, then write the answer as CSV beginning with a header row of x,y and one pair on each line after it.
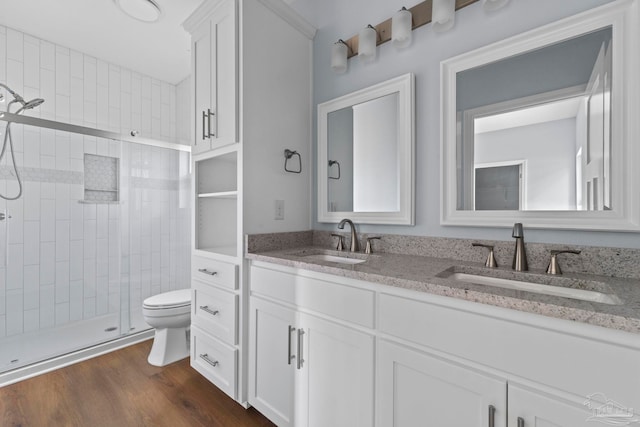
x,y
534,129
362,149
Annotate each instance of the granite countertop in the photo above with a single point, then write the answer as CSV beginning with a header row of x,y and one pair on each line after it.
x,y
433,275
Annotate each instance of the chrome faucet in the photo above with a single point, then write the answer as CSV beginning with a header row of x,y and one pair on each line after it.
x,y
355,246
520,255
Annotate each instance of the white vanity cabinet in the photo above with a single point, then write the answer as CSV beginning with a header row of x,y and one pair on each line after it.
x,y
307,369
415,387
214,64
434,360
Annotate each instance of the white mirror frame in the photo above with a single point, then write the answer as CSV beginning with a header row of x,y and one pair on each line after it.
x,y
404,87
624,17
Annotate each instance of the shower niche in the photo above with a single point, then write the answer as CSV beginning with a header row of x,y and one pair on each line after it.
x,y
101,180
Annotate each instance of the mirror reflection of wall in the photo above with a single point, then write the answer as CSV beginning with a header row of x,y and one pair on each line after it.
x,y
363,139
545,108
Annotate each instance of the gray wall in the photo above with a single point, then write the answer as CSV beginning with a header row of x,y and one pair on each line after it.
x,y
474,28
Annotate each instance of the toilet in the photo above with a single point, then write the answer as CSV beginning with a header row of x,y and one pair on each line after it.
x,y
170,314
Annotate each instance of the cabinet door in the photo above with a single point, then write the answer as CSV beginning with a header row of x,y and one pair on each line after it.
x,y
224,76
334,386
201,65
271,367
419,389
536,409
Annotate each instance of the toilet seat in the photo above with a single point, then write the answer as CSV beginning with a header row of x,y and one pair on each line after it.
x,y
168,300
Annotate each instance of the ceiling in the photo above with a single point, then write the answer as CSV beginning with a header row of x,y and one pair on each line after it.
x,y
99,28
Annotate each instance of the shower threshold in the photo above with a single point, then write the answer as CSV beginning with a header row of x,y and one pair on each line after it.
x,y
31,354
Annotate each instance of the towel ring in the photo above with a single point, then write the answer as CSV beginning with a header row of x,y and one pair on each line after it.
x,y
331,163
288,154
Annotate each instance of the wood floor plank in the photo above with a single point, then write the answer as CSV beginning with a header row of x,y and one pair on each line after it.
x,y
121,389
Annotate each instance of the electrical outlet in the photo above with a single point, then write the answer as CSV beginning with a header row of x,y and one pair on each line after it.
x,y
279,210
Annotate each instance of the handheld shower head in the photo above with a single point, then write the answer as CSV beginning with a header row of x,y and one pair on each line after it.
x,y
33,103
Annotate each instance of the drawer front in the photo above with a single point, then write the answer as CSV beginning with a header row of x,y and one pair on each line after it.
x,y
214,272
215,311
540,354
215,360
334,299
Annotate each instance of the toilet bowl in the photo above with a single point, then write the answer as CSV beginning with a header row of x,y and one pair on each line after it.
x,y
170,314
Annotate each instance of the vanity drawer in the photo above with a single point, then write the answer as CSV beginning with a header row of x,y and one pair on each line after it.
x,y
215,311
340,301
214,272
215,360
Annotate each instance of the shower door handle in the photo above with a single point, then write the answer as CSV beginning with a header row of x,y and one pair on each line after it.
x,y
4,216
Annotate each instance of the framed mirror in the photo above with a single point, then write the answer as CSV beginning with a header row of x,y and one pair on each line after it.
x,y
541,128
365,155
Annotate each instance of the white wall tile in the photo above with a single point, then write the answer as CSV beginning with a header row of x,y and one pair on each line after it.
x,y
31,319
47,217
76,300
3,67
62,282
47,56
62,240
76,63
15,312
47,263
31,287
63,72
31,62
47,307
14,267
15,41
31,243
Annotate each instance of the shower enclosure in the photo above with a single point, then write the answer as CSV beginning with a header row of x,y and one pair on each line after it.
x,y
101,224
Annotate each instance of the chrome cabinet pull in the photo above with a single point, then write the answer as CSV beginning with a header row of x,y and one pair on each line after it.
x,y
208,310
300,357
520,422
210,113
204,124
205,271
290,356
205,357
492,416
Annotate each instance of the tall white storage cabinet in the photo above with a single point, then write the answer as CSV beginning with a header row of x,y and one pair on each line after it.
x,y
251,65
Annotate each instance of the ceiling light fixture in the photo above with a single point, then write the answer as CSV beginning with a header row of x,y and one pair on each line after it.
x,y
142,10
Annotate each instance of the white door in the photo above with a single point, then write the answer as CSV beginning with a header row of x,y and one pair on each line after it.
x,y
272,360
201,65
335,382
419,389
535,409
224,78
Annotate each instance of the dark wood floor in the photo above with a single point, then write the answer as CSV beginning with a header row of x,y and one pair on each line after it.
x,y
121,389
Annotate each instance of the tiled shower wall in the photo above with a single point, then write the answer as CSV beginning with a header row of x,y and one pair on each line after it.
x,y
68,261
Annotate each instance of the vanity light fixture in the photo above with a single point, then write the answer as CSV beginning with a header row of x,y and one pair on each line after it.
x,y
142,10
401,28
339,53
443,15
367,45
491,5
398,28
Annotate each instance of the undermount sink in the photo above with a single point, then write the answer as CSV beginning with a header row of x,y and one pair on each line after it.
x,y
333,258
520,285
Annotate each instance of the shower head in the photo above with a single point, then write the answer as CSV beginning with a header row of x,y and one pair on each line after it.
x,y
33,103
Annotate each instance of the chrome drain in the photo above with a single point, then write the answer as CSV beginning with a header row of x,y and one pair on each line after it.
x,y
111,329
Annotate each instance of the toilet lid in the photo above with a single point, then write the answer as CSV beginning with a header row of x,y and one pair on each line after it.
x,y
178,298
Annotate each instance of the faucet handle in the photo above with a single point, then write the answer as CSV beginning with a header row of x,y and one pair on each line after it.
x,y
554,267
491,259
369,248
340,246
